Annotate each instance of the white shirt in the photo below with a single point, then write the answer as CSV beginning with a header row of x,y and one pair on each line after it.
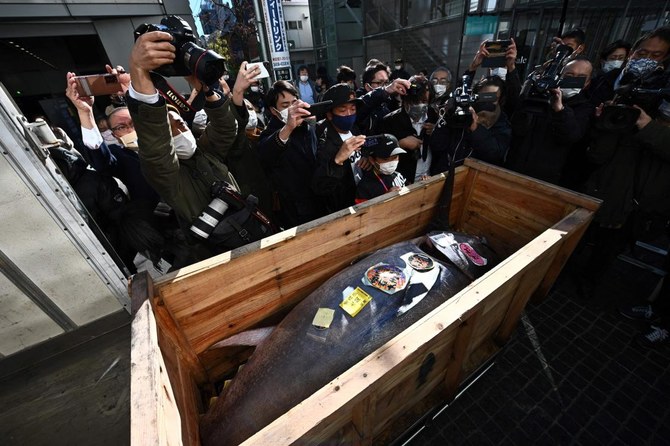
x,y
422,167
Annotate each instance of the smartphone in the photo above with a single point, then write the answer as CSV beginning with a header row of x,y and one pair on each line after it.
x,y
264,71
319,109
497,50
98,85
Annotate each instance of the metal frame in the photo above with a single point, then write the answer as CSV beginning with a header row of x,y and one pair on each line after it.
x,y
55,194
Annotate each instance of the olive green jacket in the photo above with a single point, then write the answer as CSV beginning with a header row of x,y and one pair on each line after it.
x,y
184,184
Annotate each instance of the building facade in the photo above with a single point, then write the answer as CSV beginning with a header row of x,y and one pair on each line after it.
x,y
40,41
299,33
429,33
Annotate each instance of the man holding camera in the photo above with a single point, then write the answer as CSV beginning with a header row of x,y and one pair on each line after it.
x,y
179,167
287,148
338,157
545,131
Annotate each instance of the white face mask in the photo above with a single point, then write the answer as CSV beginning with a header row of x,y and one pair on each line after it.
x,y
397,67
130,140
253,119
501,72
388,168
226,77
255,88
283,115
440,89
570,92
612,65
303,78
184,145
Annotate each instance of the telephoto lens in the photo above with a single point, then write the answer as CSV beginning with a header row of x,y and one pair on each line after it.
x,y
206,222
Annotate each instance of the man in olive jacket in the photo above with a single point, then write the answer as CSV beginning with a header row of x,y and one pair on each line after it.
x,y
177,166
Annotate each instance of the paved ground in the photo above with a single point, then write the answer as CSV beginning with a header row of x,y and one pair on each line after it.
x,y
571,375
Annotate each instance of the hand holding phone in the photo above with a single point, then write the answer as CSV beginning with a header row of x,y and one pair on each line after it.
x,y
497,50
264,71
319,109
98,85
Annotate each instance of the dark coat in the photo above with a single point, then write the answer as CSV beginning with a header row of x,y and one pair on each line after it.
x,y
334,184
633,173
124,164
399,124
290,168
373,185
541,142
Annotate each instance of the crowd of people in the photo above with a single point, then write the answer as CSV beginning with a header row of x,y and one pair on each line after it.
x,y
317,145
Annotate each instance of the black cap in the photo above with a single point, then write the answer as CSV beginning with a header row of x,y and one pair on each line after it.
x,y
398,60
339,94
382,146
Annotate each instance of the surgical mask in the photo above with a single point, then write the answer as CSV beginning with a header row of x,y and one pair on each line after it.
x,y
108,137
501,72
304,78
417,111
397,67
440,89
640,68
226,77
129,140
253,120
570,92
387,168
283,115
184,145
612,65
344,123
255,88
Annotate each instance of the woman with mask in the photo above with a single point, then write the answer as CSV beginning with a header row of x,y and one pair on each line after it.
x,y
612,59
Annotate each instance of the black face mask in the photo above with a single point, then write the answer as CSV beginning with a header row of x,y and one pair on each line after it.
x,y
484,106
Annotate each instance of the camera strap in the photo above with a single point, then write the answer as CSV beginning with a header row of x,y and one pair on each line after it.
x,y
173,97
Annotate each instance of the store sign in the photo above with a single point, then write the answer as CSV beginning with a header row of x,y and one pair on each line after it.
x,y
274,23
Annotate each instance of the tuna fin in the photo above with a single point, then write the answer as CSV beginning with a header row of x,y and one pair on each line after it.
x,y
245,338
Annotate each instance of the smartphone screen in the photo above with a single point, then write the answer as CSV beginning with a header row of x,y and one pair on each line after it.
x,y
98,85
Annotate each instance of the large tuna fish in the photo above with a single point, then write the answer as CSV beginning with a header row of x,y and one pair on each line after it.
x,y
300,356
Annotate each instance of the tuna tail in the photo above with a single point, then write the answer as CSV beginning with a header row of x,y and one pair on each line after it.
x,y
245,338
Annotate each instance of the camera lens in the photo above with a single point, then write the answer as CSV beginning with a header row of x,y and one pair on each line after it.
x,y
206,222
207,66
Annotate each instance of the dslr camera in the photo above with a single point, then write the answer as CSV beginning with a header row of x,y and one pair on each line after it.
x,y
224,198
206,65
536,92
454,112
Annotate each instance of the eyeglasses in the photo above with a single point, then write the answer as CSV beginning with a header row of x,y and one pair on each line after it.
x,y
123,127
379,83
441,81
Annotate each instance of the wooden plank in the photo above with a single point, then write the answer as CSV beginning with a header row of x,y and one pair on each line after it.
x,y
154,417
363,419
462,346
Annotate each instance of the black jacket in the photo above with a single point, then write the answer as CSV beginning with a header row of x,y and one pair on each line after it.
x,y
541,142
290,168
334,184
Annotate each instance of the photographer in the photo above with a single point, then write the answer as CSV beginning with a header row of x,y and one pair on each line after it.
x,y
287,150
339,165
413,125
544,134
180,168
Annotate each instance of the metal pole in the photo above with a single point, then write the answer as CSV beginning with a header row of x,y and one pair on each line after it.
x,y
564,12
622,35
260,29
466,5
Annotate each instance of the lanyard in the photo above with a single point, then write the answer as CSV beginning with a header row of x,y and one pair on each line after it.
x,y
386,189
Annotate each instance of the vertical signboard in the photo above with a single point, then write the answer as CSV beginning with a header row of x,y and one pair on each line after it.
x,y
274,23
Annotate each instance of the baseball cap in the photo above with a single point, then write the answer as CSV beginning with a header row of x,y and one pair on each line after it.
x,y
382,146
339,94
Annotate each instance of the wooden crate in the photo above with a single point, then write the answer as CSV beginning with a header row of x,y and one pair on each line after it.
x,y
533,224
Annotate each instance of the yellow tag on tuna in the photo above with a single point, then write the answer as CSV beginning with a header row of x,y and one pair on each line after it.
x,y
323,318
355,302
